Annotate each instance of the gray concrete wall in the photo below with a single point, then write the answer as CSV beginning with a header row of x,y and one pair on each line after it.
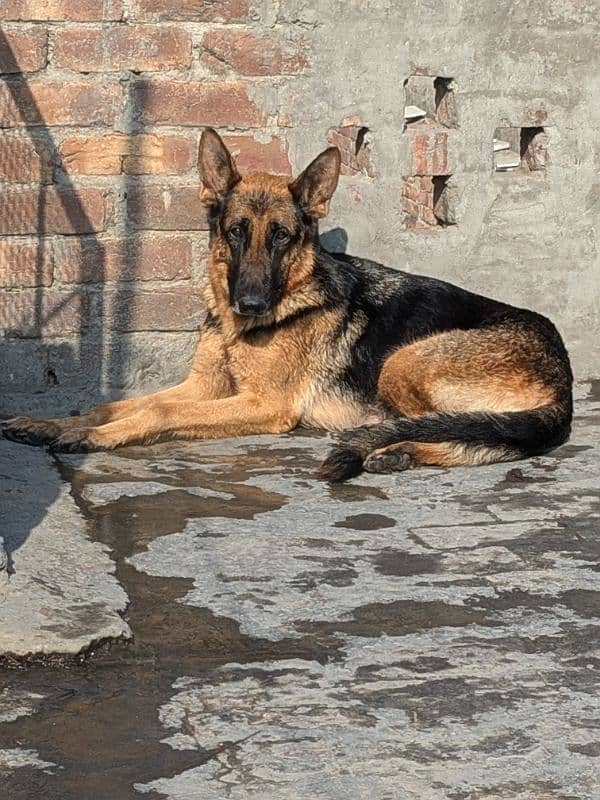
x,y
528,239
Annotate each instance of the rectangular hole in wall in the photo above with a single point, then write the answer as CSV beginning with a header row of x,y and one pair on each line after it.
x,y
429,100
520,149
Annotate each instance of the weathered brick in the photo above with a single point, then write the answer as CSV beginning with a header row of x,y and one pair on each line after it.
x,y
167,208
61,10
40,103
354,148
429,149
24,160
25,263
50,210
30,314
23,50
144,258
410,206
251,54
134,155
418,202
176,309
197,103
427,215
195,10
134,47
252,155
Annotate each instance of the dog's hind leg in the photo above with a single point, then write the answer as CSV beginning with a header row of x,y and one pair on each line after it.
x,y
404,455
463,397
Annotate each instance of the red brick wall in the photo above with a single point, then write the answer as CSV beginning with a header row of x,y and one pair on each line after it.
x,y
101,111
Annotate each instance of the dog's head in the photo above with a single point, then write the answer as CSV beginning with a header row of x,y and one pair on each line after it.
x,y
260,224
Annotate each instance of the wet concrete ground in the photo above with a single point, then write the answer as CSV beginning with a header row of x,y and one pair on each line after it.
x,y
432,634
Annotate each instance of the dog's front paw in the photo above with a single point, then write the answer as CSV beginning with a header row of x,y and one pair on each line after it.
x,y
78,440
27,430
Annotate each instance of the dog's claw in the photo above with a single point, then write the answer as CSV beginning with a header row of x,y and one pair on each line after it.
x,y
71,443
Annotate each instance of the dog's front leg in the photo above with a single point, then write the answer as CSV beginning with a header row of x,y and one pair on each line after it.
x,y
208,379
239,415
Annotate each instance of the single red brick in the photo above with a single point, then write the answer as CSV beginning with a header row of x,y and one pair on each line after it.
x,y
134,47
50,210
197,103
138,154
23,50
24,160
41,103
167,208
249,53
252,155
144,258
195,10
79,48
29,314
61,10
176,309
419,146
440,154
25,263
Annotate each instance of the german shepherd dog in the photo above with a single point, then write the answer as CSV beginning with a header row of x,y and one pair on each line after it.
x,y
413,370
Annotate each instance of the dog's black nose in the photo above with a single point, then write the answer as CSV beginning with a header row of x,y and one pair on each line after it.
x,y
251,306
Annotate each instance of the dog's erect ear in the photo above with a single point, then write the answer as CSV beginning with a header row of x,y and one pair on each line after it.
x,y
314,188
216,167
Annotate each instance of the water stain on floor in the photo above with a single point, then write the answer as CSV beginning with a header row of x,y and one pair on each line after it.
x,y
99,719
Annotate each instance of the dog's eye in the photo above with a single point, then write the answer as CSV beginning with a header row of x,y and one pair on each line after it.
x,y
281,236
235,232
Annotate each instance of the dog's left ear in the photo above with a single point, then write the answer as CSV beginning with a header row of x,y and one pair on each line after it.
x,y
217,170
314,188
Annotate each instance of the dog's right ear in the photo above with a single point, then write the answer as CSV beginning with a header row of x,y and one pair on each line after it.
x,y
216,167
314,187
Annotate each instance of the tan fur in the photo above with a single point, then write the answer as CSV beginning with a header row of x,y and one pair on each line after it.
x,y
475,370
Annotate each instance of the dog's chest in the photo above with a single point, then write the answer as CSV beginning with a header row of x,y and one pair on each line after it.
x,y
302,353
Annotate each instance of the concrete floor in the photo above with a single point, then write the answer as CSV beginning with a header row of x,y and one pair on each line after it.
x,y
252,633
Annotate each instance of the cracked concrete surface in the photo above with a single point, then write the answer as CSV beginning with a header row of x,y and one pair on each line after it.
x,y
430,635
58,593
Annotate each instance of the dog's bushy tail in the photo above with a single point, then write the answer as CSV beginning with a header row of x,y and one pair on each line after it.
x,y
527,433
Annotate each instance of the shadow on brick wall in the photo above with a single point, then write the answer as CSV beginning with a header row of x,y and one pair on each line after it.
x,y
55,339
42,311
